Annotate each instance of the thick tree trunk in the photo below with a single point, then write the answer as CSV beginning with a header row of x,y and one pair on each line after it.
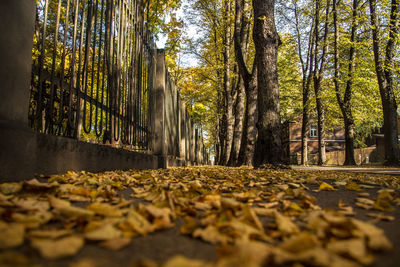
x,y
384,73
268,146
241,39
238,128
345,104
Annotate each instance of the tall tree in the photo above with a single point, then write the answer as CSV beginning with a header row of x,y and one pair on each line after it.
x,y
228,92
345,102
238,126
269,146
319,66
241,36
249,77
307,72
384,71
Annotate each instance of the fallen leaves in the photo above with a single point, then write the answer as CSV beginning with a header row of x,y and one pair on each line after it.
x,y
12,235
326,187
65,208
105,232
285,225
253,217
58,248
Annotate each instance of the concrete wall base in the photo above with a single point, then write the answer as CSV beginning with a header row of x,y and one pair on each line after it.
x,y
25,153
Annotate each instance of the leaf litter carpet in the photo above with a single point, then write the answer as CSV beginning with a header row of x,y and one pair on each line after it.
x,y
201,216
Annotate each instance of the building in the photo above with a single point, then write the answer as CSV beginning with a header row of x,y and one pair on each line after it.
x,y
291,139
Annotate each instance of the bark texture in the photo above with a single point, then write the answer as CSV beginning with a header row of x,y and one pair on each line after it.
x,y
307,72
241,41
319,65
345,102
228,91
268,146
238,127
384,73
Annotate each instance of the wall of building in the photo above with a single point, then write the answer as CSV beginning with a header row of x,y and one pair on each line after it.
x,y
362,156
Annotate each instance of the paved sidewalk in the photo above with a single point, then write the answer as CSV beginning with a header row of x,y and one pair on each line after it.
x,y
375,170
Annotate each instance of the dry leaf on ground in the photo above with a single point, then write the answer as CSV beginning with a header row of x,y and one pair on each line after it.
x,y
60,248
11,235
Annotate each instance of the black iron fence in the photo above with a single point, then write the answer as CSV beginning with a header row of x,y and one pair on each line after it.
x,y
92,70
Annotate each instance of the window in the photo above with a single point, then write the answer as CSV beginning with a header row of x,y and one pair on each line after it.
x,y
313,131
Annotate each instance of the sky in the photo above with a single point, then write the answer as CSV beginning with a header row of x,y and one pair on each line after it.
x,y
186,60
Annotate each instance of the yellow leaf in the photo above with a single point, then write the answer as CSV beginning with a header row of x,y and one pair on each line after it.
x,y
12,235
60,248
300,242
181,261
104,209
116,243
212,235
51,234
32,220
285,225
352,186
65,208
326,187
139,223
375,236
354,248
10,188
106,232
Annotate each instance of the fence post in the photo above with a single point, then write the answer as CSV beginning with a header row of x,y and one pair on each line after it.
x,y
182,129
191,141
187,135
17,20
158,111
196,146
16,39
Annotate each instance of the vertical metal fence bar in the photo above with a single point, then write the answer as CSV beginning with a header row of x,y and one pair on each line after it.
x,y
62,92
86,66
99,128
73,81
40,87
50,120
79,103
92,71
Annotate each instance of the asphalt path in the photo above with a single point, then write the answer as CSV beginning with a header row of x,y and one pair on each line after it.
x,y
373,170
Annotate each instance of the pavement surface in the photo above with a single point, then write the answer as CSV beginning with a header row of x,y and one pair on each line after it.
x,y
162,245
373,170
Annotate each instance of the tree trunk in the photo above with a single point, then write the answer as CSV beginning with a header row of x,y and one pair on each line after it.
x,y
241,41
246,154
268,146
345,104
238,128
307,72
384,73
319,64
230,120
305,118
